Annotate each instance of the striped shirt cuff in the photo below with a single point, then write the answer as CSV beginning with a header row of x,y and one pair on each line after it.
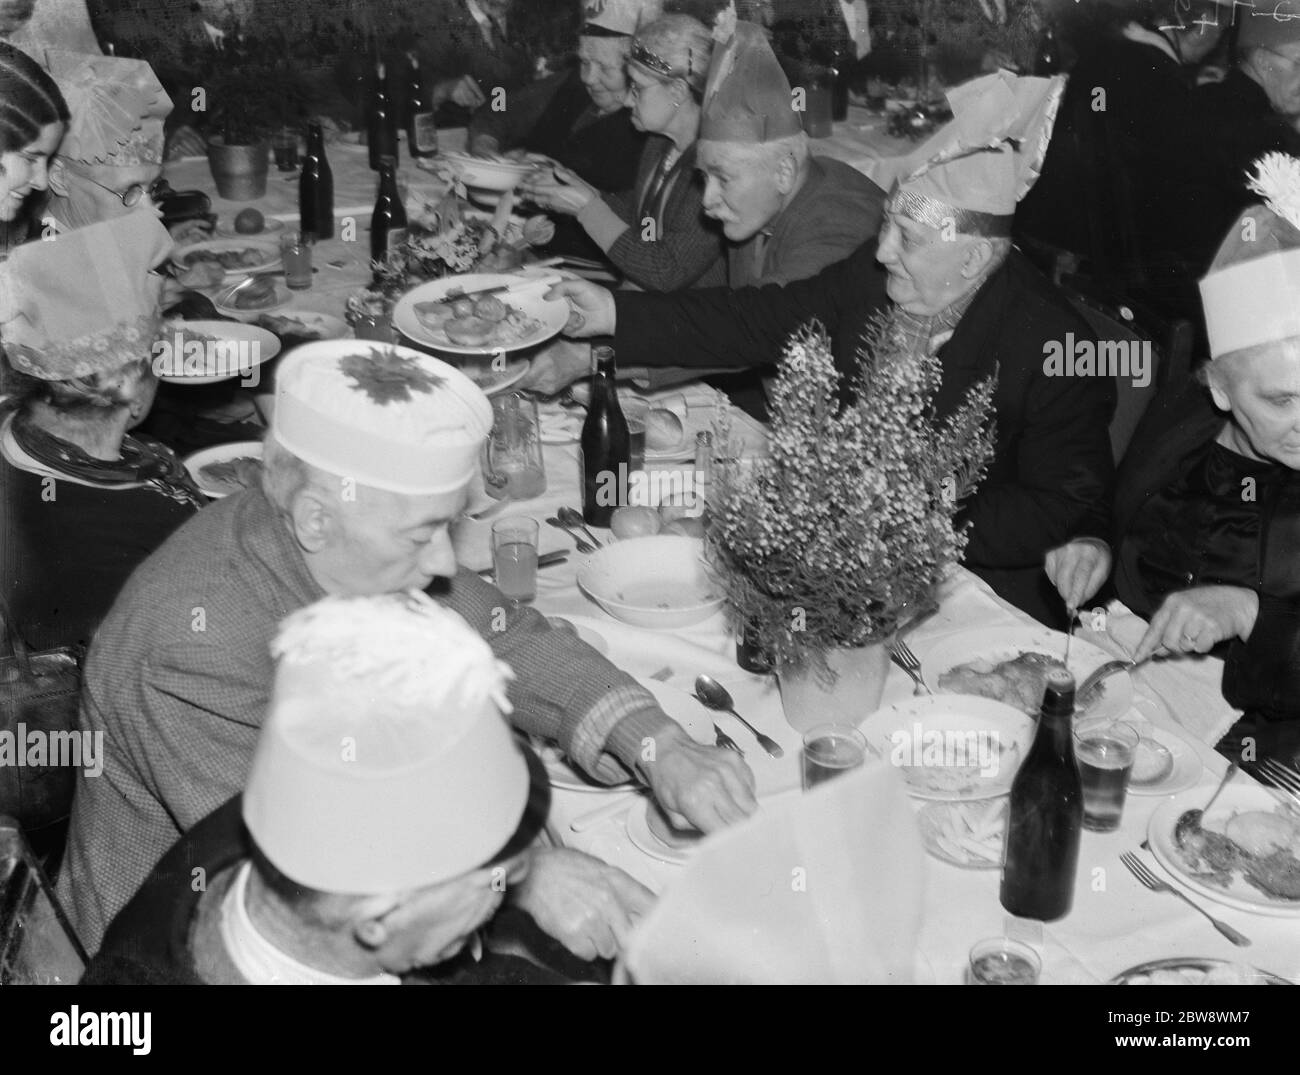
x,y
614,729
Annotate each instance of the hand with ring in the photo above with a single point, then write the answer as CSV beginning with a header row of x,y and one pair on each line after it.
x,y
1197,620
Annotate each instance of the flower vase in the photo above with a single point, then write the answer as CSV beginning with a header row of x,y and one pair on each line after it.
x,y
860,675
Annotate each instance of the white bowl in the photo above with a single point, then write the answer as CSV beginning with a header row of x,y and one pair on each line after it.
x,y
658,582
498,176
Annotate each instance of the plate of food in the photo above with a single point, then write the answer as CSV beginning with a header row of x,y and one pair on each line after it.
x,y
226,469
1196,970
251,298
438,315
951,747
206,352
304,325
236,256
1244,854
249,221
966,834
1011,665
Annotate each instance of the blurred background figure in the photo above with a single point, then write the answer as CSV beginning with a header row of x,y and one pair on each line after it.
x,y
37,25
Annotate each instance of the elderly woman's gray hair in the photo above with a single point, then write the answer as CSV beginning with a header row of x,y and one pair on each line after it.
x,y
675,47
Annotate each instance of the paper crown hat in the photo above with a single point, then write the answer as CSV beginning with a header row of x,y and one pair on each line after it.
x,y
623,17
976,168
118,107
387,417
85,301
384,763
747,97
1275,23
1250,293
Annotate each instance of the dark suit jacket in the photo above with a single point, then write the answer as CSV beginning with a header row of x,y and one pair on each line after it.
x,y
451,44
1051,477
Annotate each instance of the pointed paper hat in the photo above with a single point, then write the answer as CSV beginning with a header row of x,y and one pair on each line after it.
x,y
747,96
385,763
621,17
84,301
118,107
1250,293
975,169
387,417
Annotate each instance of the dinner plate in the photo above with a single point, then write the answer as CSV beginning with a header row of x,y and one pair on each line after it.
x,y
637,823
223,301
492,380
1187,767
220,453
1222,972
267,249
322,326
951,747
1235,799
550,316
231,349
270,226
942,823
1004,643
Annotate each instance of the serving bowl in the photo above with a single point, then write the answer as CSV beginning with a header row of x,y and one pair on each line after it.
x,y
480,174
659,582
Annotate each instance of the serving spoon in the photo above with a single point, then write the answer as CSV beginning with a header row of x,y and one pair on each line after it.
x,y
714,695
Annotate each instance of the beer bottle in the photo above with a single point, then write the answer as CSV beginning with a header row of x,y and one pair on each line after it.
x,y
1045,818
605,448
421,130
388,222
381,121
316,188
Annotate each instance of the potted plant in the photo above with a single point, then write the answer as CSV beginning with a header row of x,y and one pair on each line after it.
x,y
829,546
251,92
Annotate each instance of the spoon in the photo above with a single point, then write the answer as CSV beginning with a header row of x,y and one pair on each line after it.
x,y
1229,773
582,545
714,695
572,517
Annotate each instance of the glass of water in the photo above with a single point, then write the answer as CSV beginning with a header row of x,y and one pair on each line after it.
x,y
830,750
514,557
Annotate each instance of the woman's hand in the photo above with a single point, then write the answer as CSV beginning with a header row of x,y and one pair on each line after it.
x,y
566,192
1197,620
1078,568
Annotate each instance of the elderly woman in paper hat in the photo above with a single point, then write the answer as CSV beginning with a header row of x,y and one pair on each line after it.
x,y
655,233
360,866
84,501
1208,504
33,120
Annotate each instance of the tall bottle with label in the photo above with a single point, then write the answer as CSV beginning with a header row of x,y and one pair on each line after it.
x,y
316,188
381,121
605,448
421,129
388,222
1045,819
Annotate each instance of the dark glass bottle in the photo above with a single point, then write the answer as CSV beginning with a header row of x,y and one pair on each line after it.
x,y
1047,60
421,130
316,188
388,222
381,121
605,449
1045,819
750,655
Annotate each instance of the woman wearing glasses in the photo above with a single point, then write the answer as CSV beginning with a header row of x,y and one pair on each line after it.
x,y
656,234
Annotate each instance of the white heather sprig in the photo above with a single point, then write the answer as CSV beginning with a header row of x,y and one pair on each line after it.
x,y
1277,181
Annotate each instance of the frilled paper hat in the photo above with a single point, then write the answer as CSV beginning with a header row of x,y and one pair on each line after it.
x,y
84,301
1268,25
118,107
1250,293
975,169
621,17
384,763
747,97
387,417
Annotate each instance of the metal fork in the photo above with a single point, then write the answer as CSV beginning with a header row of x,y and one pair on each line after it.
x,y
906,660
725,741
1282,776
1142,872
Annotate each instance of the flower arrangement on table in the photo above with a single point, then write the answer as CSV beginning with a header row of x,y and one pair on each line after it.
x,y
839,537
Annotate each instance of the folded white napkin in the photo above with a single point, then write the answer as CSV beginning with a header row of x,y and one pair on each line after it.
x,y
824,887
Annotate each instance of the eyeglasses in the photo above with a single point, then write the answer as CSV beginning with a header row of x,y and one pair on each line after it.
x,y
134,194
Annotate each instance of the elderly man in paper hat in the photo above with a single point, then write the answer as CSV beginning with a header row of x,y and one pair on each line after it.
x,y
110,160
369,460
944,260
387,816
1208,499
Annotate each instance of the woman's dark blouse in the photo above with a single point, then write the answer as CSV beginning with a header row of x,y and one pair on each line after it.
x,y
66,549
